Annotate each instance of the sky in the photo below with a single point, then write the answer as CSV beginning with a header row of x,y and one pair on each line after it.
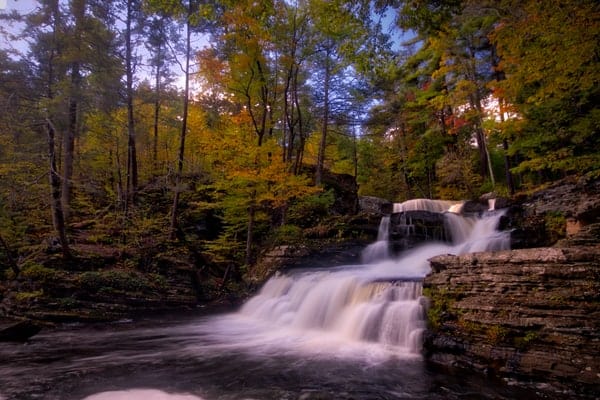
x,y
19,5
27,6
23,7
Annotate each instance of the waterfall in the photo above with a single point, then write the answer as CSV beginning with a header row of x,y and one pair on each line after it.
x,y
380,249
379,302
438,206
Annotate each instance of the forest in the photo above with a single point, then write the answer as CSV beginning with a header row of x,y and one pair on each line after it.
x,y
133,129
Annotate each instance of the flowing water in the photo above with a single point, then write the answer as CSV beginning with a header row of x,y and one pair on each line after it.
x,y
346,332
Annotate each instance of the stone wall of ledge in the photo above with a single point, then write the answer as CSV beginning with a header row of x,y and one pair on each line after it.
x,y
529,316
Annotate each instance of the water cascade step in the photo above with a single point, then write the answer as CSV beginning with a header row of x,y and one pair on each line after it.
x,y
379,301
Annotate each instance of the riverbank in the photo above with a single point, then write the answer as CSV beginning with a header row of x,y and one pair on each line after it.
x,y
529,316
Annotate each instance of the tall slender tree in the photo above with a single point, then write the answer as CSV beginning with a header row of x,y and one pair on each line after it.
x,y
132,8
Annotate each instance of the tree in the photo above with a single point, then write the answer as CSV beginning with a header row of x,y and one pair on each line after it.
x,y
131,7
47,50
549,56
247,44
195,16
160,31
337,31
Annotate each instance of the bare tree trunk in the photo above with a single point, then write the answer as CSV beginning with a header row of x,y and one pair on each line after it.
x,y
484,155
507,164
58,218
186,100
78,11
323,144
250,234
11,260
156,112
132,170
300,151
69,142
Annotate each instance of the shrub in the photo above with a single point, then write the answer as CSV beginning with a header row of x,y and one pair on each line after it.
x,y
37,272
556,225
287,234
308,210
496,334
28,296
116,279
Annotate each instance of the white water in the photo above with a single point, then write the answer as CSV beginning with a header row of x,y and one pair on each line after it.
x,y
140,394
380,249
426,205
345,332
373,308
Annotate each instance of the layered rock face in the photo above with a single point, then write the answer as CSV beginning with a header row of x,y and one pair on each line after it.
x,y
528,315
409,228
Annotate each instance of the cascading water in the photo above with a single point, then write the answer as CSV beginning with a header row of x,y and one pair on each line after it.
x,y
350,332
380,249
379,302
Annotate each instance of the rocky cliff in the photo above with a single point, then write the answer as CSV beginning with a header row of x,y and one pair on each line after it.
x,y
530,316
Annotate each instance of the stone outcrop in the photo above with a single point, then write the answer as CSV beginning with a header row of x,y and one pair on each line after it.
x,y
17,330
409,228
553,213
531,316
311,254
55,295
374,205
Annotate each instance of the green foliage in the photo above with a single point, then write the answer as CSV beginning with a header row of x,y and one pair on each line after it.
x,y
26,297
95,281
549,55
525,341
556,225
457,178
287,234
441,304
496,334
308,210
39,273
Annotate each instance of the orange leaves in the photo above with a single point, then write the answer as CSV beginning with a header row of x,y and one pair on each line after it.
x,y
213,71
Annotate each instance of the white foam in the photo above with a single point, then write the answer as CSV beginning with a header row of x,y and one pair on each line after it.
x,y
141,394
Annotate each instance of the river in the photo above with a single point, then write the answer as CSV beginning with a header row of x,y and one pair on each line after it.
x,y
349,332
195,356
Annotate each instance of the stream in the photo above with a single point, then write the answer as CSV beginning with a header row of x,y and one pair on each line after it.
x,y
345,332
214,357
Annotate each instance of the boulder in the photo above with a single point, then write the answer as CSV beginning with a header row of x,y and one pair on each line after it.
x,y
530,316
410,228
374,205
17,330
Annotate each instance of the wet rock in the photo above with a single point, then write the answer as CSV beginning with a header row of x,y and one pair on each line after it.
x,y
410,228
557,212
528,315
374,205
474,207
17,330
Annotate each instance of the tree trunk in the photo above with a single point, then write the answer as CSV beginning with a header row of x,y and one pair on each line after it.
x,y
250,234
156,110
499,75
78,11
12,262
484,155
58,218
300,151
69,142
132,171
323,144
184,117
288,115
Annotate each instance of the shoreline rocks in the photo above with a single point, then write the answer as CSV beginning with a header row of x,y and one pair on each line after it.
x,y
531,316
